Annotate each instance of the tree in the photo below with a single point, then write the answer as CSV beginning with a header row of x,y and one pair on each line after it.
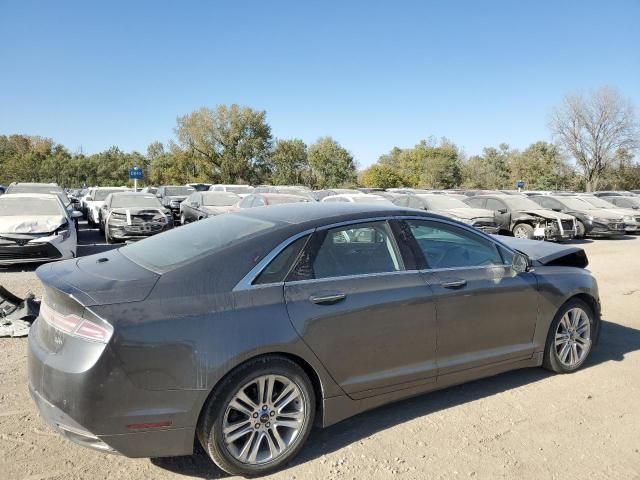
x,y
290,163
541,167
232,141
381,176
491,170
591,129
331,164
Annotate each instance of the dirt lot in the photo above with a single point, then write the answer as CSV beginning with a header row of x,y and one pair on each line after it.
x,y
523,424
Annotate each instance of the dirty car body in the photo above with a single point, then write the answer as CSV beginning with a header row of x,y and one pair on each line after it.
x,y
35,228
131,343
513,210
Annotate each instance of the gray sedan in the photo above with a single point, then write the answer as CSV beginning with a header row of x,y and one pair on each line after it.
x,y
244,330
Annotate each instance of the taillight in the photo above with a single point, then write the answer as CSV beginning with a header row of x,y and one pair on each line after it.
x,y
75,326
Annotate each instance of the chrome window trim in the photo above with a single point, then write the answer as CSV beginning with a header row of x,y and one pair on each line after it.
x,y
351,277
247,281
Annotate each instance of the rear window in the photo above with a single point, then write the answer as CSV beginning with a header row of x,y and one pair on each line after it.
x,y
170,249
287,199
220,199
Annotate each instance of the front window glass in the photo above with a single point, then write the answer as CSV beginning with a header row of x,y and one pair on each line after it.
x,y
521,203
598,202
577,203
11,206
446,246
219,199
101,195
178,191
127,201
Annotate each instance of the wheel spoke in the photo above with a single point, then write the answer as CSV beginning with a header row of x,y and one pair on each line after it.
x,y
287,390
271,380
564,352
288,423
574,353
280,443
244,453
261,389
242,396
256,447
236,405
232,437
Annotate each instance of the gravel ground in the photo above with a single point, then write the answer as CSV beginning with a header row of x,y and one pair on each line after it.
x,y
523,424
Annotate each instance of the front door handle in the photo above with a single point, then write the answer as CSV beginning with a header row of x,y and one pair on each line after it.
x,y
455,284
327,298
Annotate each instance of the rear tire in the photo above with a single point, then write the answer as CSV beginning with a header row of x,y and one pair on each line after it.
x,y
570,338
267,444
523,230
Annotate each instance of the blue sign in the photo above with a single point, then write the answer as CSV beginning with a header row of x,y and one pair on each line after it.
x,y
136,173
520,184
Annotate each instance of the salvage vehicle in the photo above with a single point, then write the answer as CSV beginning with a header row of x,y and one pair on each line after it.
x,y
133,216
452,207
47,188
36,227
201,205
240,190
323,311
356,198
266,199
518,215
589,222
630,217
171,196
94,201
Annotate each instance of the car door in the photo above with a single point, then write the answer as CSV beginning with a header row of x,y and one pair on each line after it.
x,y
364,309
501,213
487,312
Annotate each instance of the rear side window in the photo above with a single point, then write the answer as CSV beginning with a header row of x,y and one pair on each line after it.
x,y
495,205
359,249
445,246
475,202
279,267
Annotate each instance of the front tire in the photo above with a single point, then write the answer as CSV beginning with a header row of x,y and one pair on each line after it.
x,y
523,230
259,417
580,229
570,337
107,236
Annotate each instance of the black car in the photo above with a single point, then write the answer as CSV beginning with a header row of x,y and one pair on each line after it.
x,y
201,205
518,215
243,331
171,196
589,220
133,216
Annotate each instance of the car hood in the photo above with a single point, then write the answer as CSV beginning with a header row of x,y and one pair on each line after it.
x,y
138,210
621,212
466,213
548,253
31,223
100,279
606,214
548,214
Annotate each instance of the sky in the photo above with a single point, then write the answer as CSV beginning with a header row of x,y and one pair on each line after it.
x,y
373,75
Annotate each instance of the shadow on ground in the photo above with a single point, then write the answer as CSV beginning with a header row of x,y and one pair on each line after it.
x,y
615,342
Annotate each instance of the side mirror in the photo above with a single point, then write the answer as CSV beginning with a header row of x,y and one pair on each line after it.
x,y
502,210
76,214
521,263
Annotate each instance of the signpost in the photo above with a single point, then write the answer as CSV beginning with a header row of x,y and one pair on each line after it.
x,y
520,185
136,174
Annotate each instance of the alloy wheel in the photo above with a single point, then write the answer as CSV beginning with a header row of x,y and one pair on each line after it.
x,y
263,419
573,337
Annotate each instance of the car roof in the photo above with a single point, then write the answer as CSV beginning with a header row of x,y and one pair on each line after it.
x,y
44,196
132,193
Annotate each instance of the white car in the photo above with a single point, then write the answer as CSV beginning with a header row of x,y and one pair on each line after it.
x,y
240,190
36,227
357,198
95,200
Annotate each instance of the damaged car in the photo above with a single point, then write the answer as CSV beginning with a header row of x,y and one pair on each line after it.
x,y
452,207
201,205
94,201
630,217
244,331
133,216
171,196
519,216
36,227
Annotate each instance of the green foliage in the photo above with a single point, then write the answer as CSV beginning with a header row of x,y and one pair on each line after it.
x,y
331,164
290,163
380,176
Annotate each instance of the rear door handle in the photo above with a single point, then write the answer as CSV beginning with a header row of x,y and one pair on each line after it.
x,y
327,298
455,284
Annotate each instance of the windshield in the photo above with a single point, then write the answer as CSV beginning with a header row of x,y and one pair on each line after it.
x,y
442,202
178,191
576,203
169,249
598,202
219,199
372,199
520,203
285,199
102,194
22,206
627,202
128,201
34,189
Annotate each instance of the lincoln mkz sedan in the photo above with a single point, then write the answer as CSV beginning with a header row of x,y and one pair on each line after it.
x,y
244,330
